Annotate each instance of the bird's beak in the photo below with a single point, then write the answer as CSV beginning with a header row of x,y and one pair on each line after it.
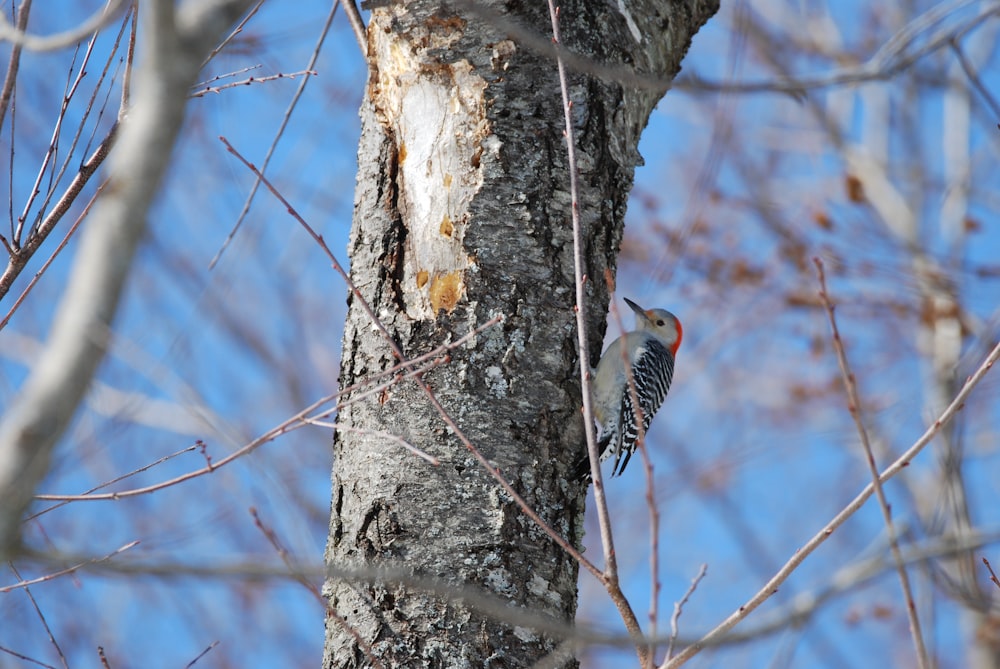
x,y
639,311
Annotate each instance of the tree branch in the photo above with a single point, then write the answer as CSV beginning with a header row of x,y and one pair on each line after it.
x,y
769,588
177,42
854,407
17,36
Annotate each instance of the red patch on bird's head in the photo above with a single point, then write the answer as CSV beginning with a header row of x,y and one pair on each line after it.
x,y
651,315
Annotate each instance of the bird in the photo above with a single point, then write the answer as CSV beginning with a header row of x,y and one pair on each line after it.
x,y
650,350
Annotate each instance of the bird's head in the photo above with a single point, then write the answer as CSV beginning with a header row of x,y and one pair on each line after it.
x,y
663,324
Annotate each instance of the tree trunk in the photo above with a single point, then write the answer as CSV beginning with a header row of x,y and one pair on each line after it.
x,y
462,213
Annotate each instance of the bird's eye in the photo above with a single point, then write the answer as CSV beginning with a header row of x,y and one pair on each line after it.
x,y
660,323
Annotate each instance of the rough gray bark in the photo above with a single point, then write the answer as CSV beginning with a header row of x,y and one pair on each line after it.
x,y
462,212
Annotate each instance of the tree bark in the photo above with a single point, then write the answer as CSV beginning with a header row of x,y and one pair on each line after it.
x,y
462,212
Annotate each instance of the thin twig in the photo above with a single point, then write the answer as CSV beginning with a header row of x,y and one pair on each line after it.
x,y
201,655
903,461
70,160
974,78
277,136
357,26
420,359
67,570
301,419
331,612
144,468
473,596
41,617
993,576
854,407
227,75
91,24
14,63
72,85
806,604
654,527
679,608
272,538
40,231
38,275
610,575
378,433
607,539
25,658
202,92
886,63
86,171
286,426
381,387
129,65
233,33
505,484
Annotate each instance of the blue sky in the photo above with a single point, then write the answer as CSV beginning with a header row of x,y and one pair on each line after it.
x,y
745,472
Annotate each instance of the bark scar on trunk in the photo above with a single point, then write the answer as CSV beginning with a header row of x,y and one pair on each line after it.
x,y
436,113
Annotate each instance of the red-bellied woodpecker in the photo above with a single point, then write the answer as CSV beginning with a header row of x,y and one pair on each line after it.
x,y
650,351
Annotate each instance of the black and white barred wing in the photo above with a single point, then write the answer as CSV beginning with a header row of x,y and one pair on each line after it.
x,y
652,371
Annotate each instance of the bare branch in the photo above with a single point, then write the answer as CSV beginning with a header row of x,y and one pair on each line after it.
x,y
201,655
679,608
975,79
234,33
4,287
139,470
202,92
891,59
993,575
475,597
288,425
769,588
68,570
301,419
25,658
610,575
129,64
47,164
385,435
804,605
357,25
277,136
49,398
854,407
41,617
14,63
331,612
20,259
95,22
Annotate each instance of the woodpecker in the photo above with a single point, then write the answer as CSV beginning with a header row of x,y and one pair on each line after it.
x,y
650,350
